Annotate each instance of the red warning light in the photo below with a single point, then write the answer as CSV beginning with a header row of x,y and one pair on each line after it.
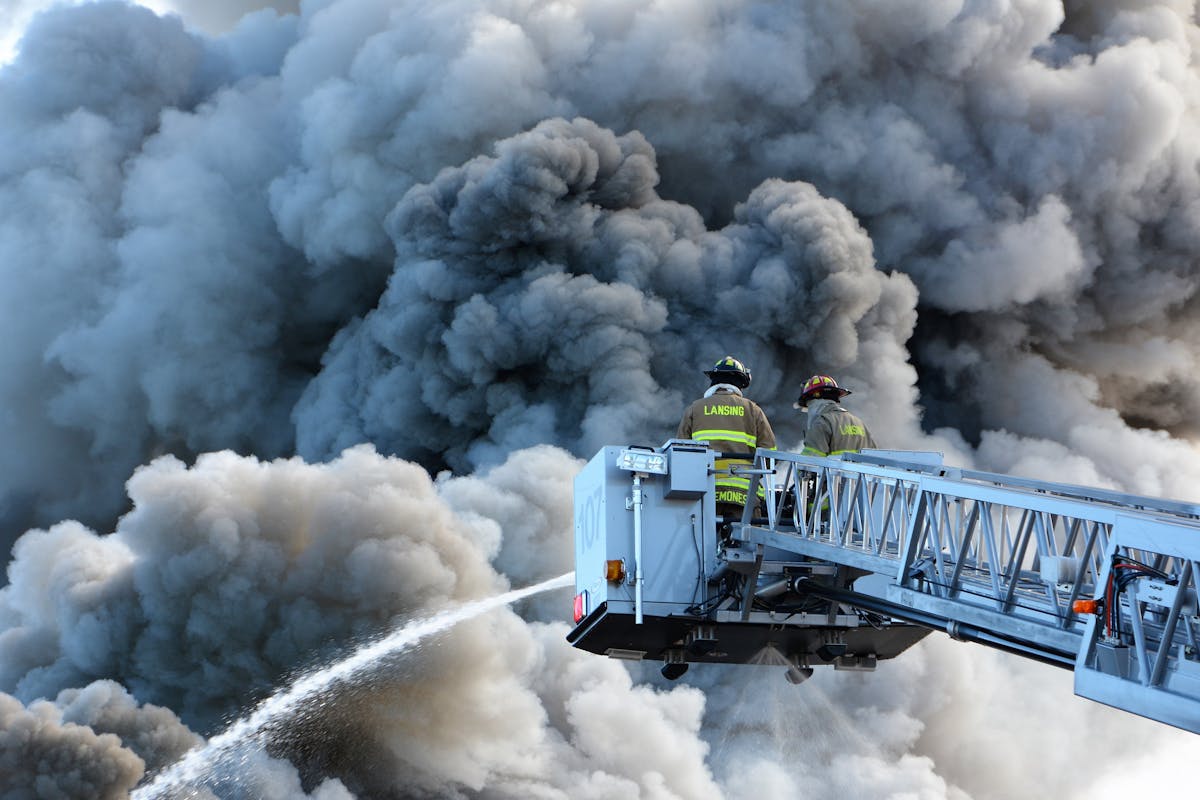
x,y
581,605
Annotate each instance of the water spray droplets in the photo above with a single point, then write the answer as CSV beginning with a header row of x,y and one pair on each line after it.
x,y
234,742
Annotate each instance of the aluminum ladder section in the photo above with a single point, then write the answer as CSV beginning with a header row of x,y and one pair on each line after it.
x,y
1002,560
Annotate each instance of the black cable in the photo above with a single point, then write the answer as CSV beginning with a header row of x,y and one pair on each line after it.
x,y
706,607
871,618
1136,563
1120,581
699,561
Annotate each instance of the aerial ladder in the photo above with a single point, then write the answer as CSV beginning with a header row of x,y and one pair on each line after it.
x,y
852,559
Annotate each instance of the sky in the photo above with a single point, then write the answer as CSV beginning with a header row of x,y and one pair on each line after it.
x,y
311,311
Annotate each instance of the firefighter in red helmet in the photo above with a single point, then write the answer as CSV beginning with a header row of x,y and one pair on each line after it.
x,y
832,430
729,423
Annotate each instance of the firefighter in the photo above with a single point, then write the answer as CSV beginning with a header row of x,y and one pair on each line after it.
x,y
729,423
832,429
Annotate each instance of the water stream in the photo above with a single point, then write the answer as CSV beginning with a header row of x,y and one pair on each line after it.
x,y
252,729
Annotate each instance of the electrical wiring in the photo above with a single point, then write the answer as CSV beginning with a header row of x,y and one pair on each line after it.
x,y
1124,571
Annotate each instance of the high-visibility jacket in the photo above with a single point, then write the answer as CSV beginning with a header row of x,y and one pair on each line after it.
x,y
729,423
833,430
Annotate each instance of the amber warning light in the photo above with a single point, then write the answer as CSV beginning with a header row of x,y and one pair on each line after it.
x,y
614,571
1086,607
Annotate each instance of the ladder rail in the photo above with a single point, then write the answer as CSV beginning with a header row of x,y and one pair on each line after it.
x,y
871,509
1010,557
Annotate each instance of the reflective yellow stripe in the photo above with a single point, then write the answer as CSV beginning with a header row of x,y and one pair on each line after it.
x,y
723,479
718,435
812,451
729,480
726,463
840,452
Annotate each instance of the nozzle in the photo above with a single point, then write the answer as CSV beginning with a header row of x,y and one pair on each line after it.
x,y
674,672
831,650
797,675
674,664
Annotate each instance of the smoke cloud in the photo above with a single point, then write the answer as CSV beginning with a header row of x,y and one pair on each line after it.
x,y
227,576
548,294
45,756
487,237
219,16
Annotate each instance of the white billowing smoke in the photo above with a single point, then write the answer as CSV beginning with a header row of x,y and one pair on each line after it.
x,y
214,16
329,542
219,16
459,229
227,575
14,17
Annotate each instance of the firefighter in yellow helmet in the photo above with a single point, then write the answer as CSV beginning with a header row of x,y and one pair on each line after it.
x,y
729,423
832,429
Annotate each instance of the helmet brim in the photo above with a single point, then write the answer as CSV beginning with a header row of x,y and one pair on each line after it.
x,y
738,379
803,402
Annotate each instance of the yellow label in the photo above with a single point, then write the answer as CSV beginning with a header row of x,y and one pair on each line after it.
x,y
725,411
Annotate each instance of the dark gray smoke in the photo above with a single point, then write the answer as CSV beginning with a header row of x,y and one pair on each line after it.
x,y
548,294
108,314
259,219
91,742
453,230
